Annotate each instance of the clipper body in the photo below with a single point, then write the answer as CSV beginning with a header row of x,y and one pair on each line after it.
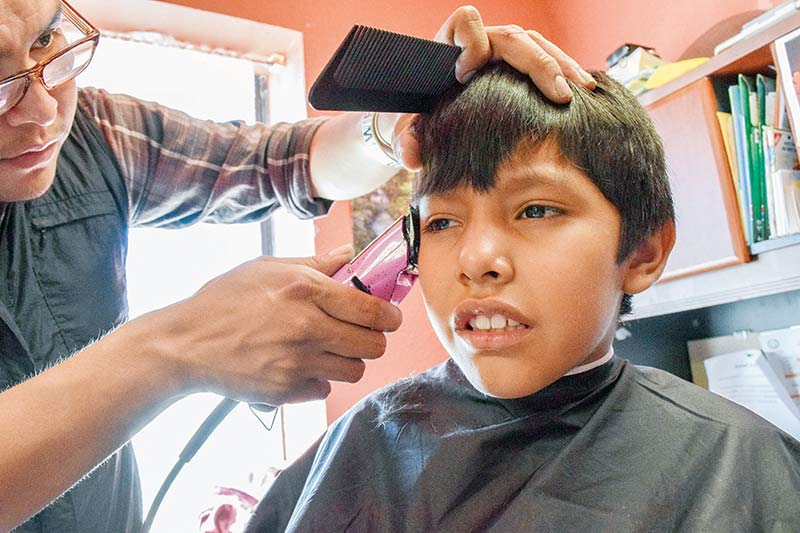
x,y
387,267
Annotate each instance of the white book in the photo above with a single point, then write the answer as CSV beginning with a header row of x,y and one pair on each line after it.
x,y
779,213
787,62
769,109
780,155
790,181
768,142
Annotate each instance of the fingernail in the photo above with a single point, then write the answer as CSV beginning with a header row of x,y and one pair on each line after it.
x,y
561,87
345,249
586,76
467,76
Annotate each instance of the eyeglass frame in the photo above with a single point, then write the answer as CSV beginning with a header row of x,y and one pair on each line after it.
x,y
91,33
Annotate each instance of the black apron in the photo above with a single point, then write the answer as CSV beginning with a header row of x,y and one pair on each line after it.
x,y
615,449
62,284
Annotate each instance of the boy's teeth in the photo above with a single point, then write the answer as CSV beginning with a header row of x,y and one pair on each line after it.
x,y
497,321
481,322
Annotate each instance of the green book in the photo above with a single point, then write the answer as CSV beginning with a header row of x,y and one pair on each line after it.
x,y
764,86
749,96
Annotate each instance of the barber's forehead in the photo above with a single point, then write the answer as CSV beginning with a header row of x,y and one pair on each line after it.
x,y
23,20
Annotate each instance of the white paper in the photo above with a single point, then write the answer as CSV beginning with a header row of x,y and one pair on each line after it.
x,y
782,349
747,378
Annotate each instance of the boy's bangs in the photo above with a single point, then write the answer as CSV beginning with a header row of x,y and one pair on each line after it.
x,y
474,129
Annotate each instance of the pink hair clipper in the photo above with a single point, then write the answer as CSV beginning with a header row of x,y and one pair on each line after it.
x,y
387,267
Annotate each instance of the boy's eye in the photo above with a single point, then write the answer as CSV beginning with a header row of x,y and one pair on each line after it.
x,y
540,211
439,224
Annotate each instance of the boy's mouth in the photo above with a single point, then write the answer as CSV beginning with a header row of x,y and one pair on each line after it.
x,y
490,324
496,322
488,315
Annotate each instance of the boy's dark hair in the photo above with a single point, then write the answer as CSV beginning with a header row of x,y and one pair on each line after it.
x,y
605,133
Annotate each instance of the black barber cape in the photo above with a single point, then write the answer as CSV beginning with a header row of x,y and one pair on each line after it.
x,y
617,448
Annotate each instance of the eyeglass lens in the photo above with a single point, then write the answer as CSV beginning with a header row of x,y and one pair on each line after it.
x,y
11,92
62,68
68,65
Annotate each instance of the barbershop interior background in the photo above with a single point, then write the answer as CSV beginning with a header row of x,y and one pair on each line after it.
x,y
216,50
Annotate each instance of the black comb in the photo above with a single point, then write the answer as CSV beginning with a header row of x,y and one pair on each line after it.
x,y
378,70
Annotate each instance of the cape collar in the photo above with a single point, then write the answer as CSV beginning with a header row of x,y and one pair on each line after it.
x,y
569,391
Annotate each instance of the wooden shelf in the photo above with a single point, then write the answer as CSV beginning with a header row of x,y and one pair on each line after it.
x,y
774,244
709,232
698,165
771,272
748,56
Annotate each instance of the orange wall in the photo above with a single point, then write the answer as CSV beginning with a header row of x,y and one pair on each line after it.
x,y
324,23
587,29
590,30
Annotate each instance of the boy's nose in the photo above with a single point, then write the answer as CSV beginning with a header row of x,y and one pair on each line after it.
x,y
484,258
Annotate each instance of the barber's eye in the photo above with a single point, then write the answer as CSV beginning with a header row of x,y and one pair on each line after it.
x,y
439,224
46,39
540,211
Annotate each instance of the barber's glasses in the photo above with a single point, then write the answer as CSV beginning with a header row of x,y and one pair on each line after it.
x,y
74,42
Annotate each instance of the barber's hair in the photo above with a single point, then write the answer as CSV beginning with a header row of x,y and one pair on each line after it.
x,y
605,133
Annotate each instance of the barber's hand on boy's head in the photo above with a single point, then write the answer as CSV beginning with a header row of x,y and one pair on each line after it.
x,y
525,50
275,331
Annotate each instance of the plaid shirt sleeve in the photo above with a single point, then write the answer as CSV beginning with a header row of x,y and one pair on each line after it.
x,y
180,170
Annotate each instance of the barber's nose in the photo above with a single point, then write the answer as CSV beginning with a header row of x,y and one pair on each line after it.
x,y
37,107
484,257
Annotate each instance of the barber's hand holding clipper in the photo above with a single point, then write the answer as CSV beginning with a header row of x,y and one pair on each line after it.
x,y
282,329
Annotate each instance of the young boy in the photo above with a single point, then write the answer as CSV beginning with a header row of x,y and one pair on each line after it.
x,y
538,220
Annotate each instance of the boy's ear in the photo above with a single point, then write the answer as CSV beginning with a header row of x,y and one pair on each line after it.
x,y
646,263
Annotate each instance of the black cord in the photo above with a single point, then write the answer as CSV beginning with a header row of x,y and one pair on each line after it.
x,y
263,407
198,439
195,443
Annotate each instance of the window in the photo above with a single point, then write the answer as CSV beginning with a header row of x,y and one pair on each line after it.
x,y
165,266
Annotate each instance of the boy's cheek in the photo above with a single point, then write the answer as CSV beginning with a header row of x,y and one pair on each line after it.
x,y
439,322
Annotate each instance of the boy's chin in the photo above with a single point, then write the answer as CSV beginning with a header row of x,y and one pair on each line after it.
x,y
504,383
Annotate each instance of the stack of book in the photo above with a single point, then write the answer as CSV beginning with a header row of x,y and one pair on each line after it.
x,y
763,158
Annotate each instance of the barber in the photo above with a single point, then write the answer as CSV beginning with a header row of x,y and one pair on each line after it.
x,y
77,169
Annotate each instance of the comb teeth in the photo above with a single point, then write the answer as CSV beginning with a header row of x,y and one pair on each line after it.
x,y
379,60
378,70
